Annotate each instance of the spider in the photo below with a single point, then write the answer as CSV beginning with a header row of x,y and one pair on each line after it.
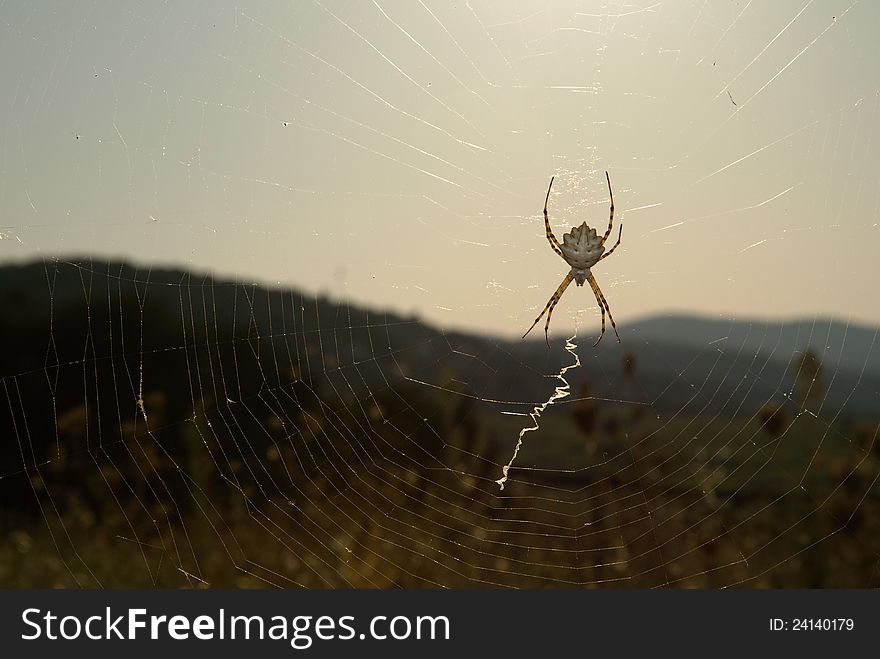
x,y
582,249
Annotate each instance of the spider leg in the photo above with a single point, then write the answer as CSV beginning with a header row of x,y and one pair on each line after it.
x,y
600,298
551,304
598,295
553,242
602,333
611,218
608,253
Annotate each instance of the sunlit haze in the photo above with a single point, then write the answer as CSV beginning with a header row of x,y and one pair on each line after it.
x,y
397,153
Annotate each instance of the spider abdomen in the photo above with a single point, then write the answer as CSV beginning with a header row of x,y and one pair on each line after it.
x,y
581,249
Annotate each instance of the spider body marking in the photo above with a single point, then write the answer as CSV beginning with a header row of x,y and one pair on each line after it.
x,y
581,248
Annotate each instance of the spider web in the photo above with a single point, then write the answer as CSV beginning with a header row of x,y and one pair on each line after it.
x,y
266,270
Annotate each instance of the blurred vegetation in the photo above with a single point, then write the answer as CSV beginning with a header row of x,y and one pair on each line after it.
x,y
165,430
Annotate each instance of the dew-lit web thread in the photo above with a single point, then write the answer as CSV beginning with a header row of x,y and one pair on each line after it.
x,y
558,393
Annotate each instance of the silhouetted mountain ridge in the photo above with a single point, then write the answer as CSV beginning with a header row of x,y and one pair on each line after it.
x,y
61,313
839,344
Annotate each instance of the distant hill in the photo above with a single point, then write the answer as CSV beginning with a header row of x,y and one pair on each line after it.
x,y
840,345
173,325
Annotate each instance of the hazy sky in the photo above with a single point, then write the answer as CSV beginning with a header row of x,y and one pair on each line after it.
x,y
398,153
